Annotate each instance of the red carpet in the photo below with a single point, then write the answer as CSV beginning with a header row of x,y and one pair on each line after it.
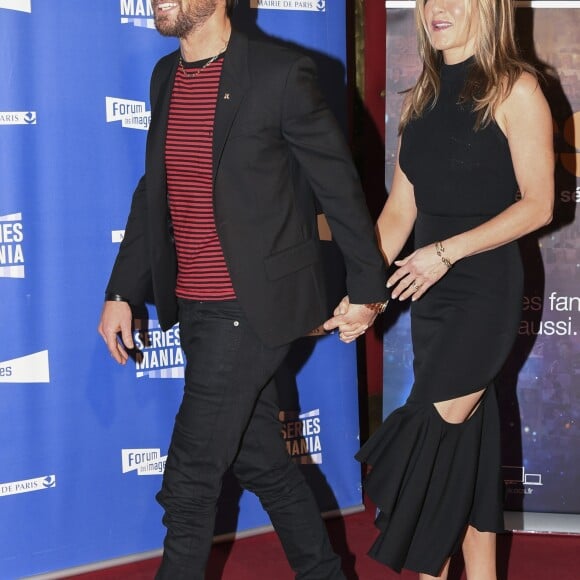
x,y
520,557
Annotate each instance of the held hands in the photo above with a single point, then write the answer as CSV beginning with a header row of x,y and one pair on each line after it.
x,y
352,320
418,272
116,317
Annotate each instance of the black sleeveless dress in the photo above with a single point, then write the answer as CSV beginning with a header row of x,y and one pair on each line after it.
x,y
429,478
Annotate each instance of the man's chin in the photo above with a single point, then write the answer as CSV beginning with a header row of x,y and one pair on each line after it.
x,y
176,29
164,27
165,32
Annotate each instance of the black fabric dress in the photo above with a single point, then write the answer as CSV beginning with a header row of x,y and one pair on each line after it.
x,y
429,478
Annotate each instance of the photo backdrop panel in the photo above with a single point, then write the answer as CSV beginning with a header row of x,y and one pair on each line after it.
x,y
85,440
539,386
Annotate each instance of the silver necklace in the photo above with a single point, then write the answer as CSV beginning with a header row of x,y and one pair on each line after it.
x,y
197,70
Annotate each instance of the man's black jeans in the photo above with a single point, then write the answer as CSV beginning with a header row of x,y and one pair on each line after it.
x,y
229,415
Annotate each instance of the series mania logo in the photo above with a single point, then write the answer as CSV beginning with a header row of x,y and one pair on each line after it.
x,y
132,114
302,435
11,252
138,13
160,355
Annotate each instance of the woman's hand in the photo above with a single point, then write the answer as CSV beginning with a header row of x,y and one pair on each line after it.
x,y
417,273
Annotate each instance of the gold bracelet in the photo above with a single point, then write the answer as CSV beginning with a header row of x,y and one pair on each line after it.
x,y
440,251
378,307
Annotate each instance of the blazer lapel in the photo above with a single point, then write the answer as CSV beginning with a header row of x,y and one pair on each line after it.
x,y
234,83
160,95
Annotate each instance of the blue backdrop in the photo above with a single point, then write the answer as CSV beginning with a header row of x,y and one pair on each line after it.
x,y
83,440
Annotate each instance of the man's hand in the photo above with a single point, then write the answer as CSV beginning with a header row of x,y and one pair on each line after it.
x,y
116,317
352,320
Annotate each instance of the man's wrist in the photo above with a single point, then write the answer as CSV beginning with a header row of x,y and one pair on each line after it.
x,y
378,307
112,297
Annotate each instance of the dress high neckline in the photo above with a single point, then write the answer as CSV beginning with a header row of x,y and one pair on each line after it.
x,y
456,70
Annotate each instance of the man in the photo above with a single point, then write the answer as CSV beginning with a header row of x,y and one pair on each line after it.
x,y
223,228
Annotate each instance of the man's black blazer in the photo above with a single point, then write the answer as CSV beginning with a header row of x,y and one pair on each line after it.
x,y
275,146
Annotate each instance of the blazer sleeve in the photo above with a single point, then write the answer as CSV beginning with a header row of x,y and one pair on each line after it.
x,y
131,274
320,149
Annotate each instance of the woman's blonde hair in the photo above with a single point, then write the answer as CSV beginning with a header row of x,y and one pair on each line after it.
x,y
496,68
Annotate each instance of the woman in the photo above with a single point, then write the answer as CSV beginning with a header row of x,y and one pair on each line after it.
x,y
474,174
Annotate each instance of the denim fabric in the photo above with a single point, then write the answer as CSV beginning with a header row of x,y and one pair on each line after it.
x,y
229,417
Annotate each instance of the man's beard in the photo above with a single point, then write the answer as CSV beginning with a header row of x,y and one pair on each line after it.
x,y
184,23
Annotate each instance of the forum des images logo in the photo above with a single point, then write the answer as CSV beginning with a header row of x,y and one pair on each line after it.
x,y
130,113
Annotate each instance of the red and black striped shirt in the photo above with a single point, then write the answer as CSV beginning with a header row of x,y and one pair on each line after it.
x,y
202,271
